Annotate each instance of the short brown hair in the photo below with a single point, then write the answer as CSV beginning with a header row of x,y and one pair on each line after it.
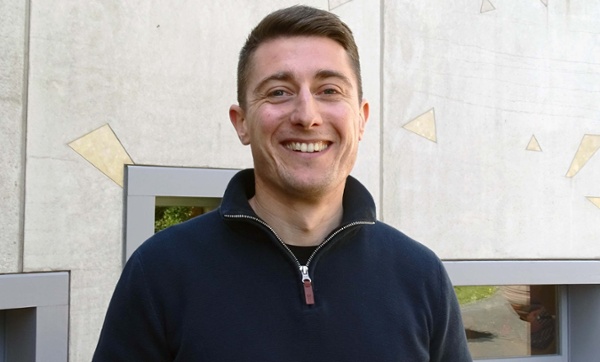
x,y
297,20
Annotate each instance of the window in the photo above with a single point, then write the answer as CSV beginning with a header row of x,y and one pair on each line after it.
x,y
169,211
34,317
574,287
152,190
510,320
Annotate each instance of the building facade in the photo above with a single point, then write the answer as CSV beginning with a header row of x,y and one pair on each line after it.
x,y
482,144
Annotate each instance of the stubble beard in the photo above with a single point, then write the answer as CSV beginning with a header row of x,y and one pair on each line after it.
x,y
308,187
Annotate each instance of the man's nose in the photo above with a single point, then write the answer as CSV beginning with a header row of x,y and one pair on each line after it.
x,y
306,112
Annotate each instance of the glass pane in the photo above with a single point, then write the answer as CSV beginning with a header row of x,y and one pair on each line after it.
x,y
173,210
510,320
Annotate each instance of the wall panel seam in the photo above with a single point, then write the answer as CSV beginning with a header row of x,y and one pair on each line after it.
x,y
24,115
381,105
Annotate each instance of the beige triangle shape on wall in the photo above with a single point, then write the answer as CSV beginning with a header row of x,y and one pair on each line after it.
x,y
534,145
594,200
336,3
103,149
423,125
590,143
486,5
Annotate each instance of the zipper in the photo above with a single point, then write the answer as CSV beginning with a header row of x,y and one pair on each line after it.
x,y
309,296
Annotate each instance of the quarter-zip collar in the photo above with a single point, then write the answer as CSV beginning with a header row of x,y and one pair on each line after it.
x,y
357,201
359,209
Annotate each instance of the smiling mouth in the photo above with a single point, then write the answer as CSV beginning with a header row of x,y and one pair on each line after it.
x,y
307,147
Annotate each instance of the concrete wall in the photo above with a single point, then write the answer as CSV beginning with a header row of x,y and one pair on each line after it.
x,y
13,30
161,76
495,74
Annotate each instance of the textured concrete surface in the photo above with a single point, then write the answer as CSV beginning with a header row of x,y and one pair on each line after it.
x,y
12,68
477,192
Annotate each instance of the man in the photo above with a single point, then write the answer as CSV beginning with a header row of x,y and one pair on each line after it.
x,y
293,266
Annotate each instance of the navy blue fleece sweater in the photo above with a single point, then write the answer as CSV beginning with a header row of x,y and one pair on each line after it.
x,y
223,287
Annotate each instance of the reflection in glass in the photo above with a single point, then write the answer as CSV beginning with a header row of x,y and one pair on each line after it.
x,y
510,320
174,210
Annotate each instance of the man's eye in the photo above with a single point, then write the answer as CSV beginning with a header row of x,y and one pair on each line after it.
x,y
277,93
330,91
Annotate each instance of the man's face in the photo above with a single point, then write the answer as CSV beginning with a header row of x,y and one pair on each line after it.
x,y
303,118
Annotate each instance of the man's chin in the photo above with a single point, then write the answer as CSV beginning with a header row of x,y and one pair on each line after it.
x,y
315,187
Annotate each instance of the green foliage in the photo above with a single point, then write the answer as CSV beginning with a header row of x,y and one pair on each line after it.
x,y
171,215
470,294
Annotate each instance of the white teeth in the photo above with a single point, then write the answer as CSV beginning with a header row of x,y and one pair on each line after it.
x,y
307,147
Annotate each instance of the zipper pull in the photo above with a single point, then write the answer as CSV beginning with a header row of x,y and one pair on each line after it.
x,y
309,296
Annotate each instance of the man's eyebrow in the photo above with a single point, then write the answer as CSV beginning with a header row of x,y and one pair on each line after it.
x,y
285,76
327,73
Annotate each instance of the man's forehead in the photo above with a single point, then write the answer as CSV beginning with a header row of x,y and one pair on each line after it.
x,y
276,58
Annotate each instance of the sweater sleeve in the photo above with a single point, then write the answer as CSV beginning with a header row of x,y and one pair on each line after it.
x,y
132,329
449,342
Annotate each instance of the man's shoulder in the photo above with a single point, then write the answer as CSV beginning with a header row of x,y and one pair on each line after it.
x,y
184,237
398,244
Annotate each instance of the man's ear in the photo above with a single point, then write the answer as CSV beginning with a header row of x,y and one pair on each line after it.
x,y
364,117
238,120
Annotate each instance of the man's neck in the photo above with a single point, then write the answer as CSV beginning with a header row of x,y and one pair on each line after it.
x,y
298,221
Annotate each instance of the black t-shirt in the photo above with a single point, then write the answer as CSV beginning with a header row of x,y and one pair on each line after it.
x,y
302,252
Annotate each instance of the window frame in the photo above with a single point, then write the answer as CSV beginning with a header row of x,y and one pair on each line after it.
x,y
40,302
563,273
143,184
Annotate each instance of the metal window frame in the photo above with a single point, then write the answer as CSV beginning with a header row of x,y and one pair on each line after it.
x,y
144,183
40,304
578,279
